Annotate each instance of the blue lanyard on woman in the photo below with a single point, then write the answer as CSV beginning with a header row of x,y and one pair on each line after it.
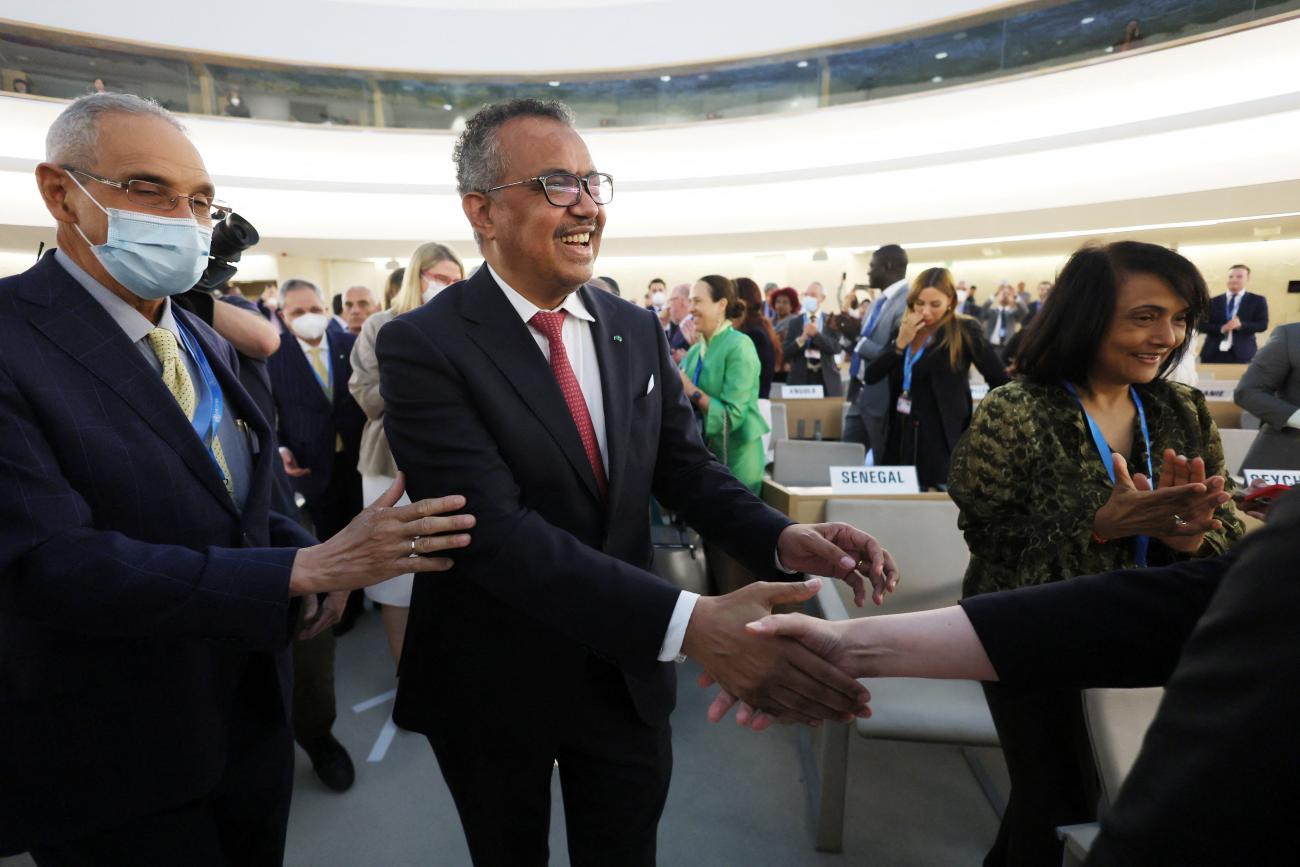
x,y
205,428
699,368
1140,543
909,361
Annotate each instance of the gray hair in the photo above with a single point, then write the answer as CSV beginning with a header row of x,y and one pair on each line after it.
x,y
294,283
477,155
74,135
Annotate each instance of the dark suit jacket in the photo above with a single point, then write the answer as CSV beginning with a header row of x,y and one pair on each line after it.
x,y
309,422
676,339
138,608
825,343
1253,313
554,577
1216,781
1270,389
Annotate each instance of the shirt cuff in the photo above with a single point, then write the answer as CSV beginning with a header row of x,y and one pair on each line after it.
x,y
1294,420
780,567
671,649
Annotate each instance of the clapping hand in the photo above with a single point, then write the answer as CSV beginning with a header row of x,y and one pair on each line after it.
x,y
809,329
1182,509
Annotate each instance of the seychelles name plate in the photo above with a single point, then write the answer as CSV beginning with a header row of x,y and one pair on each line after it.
x,y
1272,477
874,480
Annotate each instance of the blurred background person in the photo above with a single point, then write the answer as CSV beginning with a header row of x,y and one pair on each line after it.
x,y
867,421
758,328
1270,389
810,348
235,105
674,317
1042,498
1003,316
657,294
928,369
1232,320
785,305
433,267
337,322
358,305
393,286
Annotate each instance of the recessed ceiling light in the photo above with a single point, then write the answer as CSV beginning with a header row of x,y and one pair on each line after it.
x,y
1087,20
802,64
665,78
937,79
553,83
942,55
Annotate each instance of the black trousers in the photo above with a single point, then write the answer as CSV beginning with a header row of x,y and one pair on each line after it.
x,y
1053,774
240,824
614,774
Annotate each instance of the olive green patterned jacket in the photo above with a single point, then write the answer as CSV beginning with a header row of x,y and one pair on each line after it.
x,y
1028,481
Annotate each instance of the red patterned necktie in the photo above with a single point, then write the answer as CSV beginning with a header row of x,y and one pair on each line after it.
x,y
552,326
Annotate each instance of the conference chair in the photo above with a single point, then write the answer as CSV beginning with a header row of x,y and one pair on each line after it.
x,y
903,709
807,463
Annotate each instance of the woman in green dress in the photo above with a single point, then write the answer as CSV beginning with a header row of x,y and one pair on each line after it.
x,y
721,375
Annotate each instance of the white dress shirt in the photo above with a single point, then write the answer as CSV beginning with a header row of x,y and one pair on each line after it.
x,y
580,346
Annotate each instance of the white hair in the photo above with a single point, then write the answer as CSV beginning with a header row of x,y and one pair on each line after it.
x,y
293,284
74,135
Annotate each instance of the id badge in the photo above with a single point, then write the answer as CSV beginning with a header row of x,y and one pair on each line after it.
x,y
904,404
812,354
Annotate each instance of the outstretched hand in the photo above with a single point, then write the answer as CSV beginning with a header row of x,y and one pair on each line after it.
x,y
839,551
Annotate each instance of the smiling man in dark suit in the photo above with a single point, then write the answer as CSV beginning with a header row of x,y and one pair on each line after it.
x,y
1232,320
145,584
558,412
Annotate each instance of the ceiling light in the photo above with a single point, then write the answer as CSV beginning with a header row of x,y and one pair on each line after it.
x,y
802,64
392,264
820,255
1267,232
991,251
937,79
446,106
1087,20
942,55
553,83
665,78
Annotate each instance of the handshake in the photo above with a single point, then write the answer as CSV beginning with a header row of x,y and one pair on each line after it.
x,y
789,668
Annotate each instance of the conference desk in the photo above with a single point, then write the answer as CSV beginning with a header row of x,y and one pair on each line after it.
x,y
807,505
828,411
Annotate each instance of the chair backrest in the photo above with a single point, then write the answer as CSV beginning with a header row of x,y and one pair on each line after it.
x,y
1118,720
780,429
923,538
808,462
1236,443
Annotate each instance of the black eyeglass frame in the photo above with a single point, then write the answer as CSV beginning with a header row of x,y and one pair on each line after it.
x,y
582,183
215,211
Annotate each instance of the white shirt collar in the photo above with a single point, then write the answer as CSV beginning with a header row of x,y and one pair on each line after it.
x,y
894,289
572,303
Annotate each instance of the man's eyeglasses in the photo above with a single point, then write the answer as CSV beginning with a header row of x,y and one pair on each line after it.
x,y
150,195
564,189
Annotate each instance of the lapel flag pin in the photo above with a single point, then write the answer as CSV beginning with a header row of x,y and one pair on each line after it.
x,y
618,338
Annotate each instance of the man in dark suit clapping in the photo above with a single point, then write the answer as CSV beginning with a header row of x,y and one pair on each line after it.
x,y
561,413
1232,320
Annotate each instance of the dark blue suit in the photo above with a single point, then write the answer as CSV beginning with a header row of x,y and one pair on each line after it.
x,y
143,618
1253,313
311,425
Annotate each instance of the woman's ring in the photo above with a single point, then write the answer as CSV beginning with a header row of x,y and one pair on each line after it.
x,y
1179,520
413,554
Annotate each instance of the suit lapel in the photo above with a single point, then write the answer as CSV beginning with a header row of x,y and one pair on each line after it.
x,y
507,342
616,389
79,326
311,383
340,369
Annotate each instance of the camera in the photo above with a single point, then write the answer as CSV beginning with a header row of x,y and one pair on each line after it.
x,y
230,238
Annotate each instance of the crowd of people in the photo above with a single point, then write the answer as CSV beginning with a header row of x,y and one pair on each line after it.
x,y
199,493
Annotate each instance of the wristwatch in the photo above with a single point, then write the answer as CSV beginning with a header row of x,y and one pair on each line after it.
x,y
696,395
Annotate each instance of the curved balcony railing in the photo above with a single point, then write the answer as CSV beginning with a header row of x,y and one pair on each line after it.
x,y
1030,37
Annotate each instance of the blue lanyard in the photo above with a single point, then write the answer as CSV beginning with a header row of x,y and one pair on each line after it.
x,y
211,404
909,361
1140,543
699,368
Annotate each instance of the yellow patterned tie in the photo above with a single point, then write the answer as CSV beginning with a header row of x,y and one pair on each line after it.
x,y
178,382
322,369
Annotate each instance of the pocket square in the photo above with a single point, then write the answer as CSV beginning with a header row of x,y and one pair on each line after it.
x,y
650,386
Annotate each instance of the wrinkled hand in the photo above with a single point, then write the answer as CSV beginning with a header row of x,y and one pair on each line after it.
x,y
1140,511
688,330
291,467
908,329
317,617
786,679
820,636
687,385
377,544
839,551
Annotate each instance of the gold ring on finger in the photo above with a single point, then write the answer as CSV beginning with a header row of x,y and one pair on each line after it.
x,y
1179,520
413,551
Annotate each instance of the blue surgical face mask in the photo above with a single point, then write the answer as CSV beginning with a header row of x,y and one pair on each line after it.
x,y
810,304
152,256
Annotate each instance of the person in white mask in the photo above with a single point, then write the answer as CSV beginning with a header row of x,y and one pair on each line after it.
x,y
433,267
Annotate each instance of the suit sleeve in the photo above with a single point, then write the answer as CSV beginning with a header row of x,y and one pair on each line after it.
x,y
1120,629
1220,540
1215,317
883,364
1257,392
793,329
58,569
443,445
985,359
1257,321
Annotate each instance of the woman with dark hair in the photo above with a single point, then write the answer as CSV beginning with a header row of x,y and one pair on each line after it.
x,y
720,374
928,366
785,307
1043,483
758,328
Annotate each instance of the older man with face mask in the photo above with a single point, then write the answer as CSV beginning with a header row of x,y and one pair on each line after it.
x,y
559,413
147,592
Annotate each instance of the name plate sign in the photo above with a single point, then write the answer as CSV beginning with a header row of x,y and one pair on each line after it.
x,y
874,480
803,392
1272,477
1217,389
